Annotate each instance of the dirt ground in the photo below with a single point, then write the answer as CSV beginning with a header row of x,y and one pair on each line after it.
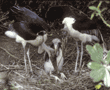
x,y
11,59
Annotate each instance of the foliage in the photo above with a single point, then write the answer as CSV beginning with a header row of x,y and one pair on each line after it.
x,y
98,12
98,86
100,65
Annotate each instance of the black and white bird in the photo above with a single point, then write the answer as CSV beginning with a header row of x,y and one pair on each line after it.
x,y
78,26
55,63
28,28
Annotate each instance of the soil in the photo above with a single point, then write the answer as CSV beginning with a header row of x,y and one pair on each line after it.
x,y
11,56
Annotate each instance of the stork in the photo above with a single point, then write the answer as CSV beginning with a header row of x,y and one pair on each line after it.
x,y
75,29
28,28
55,63
77,24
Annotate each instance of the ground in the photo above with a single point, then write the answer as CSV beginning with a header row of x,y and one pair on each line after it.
x,y
11,56
12,66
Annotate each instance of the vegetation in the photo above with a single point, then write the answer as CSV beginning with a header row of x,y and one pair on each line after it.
x,y
12,56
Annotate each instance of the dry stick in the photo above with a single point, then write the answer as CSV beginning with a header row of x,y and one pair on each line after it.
x,y
3,19
36,66
105,50
13,71
9,53
10,69
1,26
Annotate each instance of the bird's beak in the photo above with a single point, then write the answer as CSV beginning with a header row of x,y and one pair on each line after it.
x,y
56,49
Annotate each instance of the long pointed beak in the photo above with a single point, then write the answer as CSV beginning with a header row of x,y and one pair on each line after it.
x,y
56,49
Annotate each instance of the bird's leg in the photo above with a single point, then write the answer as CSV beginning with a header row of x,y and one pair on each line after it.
x,y
25,59
81,54
29,61
77,56
24,44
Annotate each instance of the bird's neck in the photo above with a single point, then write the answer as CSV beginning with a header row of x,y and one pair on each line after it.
x,y
72,32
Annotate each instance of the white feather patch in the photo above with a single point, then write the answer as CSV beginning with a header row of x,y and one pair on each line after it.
x,y
40,49
11,34
48,66
68,21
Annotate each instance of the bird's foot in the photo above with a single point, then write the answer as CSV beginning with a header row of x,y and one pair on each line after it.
x,y
63,76
56,78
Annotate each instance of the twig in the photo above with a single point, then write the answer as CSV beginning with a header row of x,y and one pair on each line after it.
x,y
9,53
10,69
13,71
36,67
3,19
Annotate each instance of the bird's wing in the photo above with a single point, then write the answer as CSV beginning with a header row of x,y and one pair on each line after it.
x,y
84,24
22,29
33,20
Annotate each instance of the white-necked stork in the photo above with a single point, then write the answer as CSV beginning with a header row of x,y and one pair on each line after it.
x,y
55,63
28,28
78,26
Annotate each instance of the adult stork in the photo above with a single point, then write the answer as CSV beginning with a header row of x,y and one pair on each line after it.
x,y
28,28
77,24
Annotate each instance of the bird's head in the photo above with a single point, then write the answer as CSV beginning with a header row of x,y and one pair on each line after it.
x,y
56,44
17,9
22,11
68,20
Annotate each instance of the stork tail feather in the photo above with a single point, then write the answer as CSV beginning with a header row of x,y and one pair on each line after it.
x,y
10,34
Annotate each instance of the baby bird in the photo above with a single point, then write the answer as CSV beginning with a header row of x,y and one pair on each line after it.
x,y
54,62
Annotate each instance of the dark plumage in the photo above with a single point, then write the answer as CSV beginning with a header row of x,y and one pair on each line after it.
x,y
82,21
28,28
58,12
32,19
77,24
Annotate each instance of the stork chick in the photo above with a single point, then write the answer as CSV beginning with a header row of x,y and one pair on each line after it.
x,y
55,63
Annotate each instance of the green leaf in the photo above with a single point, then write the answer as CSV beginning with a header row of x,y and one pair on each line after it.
x,y
99,48
94,65
96,52
92,15
99,4
108,57
107,2
92,53
97,74
103,9
89,49
97,14
99,51
93,8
